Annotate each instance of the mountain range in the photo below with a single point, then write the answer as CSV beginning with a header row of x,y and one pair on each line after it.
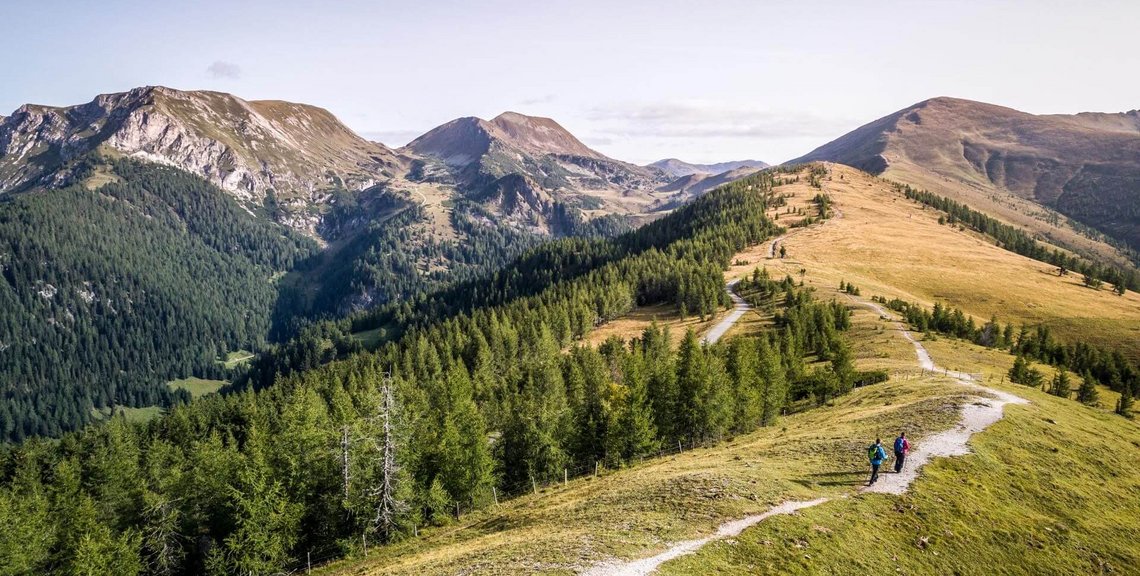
x,y
247,220
277,215
678,168
1085,166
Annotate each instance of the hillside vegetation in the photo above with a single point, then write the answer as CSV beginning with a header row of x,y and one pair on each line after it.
x,y
107,294
1048,490
1029,169
251,482
894,247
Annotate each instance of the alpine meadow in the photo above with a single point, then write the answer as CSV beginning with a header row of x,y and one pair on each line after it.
x,y
521,300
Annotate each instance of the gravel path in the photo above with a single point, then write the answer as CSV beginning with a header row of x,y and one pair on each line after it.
x,y
975,417
740,307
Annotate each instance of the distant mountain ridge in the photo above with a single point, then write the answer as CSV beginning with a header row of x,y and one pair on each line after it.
x,y
251,149
678,168
1087,166
531,171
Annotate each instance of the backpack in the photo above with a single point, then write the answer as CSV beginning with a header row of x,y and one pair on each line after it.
x,y
873,452
900,444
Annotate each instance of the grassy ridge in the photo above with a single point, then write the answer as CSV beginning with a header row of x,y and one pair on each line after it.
x,y
1049,490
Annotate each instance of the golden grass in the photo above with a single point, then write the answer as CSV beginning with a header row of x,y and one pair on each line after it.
x,y
631,325
889,246
1005,206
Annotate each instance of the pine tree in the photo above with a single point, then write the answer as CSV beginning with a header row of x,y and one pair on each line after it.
x,y
1017,374
1061,386
1124,405
1087,393
775,387
747,386
662,385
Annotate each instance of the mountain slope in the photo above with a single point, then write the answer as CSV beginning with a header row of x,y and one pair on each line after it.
x,y
697,183
886,246
678,168
105,295
284,153
1086,166
529,169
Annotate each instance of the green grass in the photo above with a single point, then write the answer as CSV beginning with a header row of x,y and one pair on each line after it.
x,y
237,358
131,414
370,339
1051,489
197,387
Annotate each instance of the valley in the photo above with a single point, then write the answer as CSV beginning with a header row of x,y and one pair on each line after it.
x,y
238,338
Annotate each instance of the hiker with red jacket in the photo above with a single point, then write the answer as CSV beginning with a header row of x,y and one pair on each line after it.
x,y
902,448
876,455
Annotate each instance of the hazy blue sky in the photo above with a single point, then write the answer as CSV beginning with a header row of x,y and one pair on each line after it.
x,y
703,81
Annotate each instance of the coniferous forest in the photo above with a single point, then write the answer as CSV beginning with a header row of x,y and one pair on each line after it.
x,y
108,294
494,396
92,319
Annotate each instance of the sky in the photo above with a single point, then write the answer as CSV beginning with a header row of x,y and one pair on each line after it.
x,y
637,80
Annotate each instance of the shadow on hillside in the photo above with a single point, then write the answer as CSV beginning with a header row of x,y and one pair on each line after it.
x,y
844,478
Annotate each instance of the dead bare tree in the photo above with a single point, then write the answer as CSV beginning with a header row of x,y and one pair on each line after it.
x,y
389,505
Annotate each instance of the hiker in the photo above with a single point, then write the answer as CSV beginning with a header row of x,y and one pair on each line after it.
x,y
876,454
902,448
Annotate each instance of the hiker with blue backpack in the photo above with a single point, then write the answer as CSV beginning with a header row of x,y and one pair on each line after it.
x,y
902,448
877,455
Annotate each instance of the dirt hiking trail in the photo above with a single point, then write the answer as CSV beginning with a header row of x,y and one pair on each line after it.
x,y
981,412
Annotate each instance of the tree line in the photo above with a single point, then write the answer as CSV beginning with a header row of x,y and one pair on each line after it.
x,y
1017,241
1095,364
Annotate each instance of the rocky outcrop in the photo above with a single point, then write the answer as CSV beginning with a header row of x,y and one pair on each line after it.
x,y
251,149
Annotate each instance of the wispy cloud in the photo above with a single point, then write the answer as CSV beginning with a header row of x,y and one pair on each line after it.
x,y
223,69
536,100
710,120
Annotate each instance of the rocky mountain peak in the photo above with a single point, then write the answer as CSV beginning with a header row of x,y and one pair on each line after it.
x,y
536,134
247,148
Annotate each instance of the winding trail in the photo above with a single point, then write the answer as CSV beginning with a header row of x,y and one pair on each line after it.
x,y
740,308
981,412
976,416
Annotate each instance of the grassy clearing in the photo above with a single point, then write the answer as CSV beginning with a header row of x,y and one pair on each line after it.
x,y
131,414
370,339
635,322
640,510
236,358
1048,490
889,246
1007,206
197,387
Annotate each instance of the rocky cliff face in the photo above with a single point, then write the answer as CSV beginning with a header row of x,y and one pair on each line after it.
x,y
251,149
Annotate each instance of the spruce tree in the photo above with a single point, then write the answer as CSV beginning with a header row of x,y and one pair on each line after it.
x,y
1124,405
1087,393
1061,386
